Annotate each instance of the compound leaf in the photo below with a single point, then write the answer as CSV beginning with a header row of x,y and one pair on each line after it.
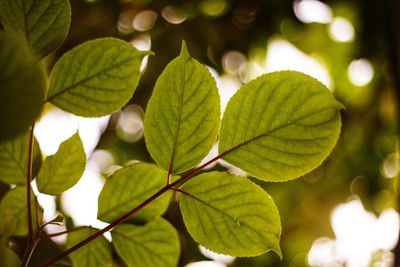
x,y
63,169
96,253
183,115
231,215
44,23
280,126
153,244
20,104
13,212
14,159
95,78
130,186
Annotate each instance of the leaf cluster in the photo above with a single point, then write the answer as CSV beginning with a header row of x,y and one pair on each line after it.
x,y
275,128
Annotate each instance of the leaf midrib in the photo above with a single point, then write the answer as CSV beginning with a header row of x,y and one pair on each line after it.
x,y
141,245
183,83
268,132
64,90
237,221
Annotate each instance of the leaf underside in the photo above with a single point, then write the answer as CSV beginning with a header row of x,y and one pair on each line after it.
x,y
183,115
14,159
44,23
63,169
280,126
13,212
96,253
95,78
153,244
130,186
231,215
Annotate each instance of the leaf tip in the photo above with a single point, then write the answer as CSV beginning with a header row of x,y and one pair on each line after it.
x,y
184,51
278,252
146,53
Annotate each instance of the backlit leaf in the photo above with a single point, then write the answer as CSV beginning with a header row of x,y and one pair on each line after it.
x,y
20,104
14,214
14,159
96,253
231,215
182,117
63,169
153,244
280,126
130,186
44,23
95,78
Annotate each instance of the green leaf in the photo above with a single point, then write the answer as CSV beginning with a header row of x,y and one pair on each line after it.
x,y
153,244
20,104
95,78
183,115
63,169
96,253
13,212
130,186
231,215
8,257
44,23
280,126
14,159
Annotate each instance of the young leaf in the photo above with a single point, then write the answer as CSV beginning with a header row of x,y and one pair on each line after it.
x,y
14,159
63,169
182,117
280,126
13,212
231,215
130,186
96,253
95,78
22,86
8,257
44,23
153,244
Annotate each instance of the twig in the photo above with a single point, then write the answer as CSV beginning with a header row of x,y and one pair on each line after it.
x,y
125,217
28,186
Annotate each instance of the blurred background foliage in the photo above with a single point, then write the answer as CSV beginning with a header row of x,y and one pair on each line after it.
x,y
342,213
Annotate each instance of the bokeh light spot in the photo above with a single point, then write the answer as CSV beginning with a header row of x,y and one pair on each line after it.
x,y
308,11
360,72
213,8
173,15
341,30
130,123
144,20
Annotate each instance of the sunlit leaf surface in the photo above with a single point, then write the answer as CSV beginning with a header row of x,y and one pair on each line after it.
x,y
153,244
95,78
63,169
96,253
182,117
130,186
44,23
231,215
280,126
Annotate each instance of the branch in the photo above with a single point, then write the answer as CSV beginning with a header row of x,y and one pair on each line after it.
x,y
171,186
28,186
43,236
